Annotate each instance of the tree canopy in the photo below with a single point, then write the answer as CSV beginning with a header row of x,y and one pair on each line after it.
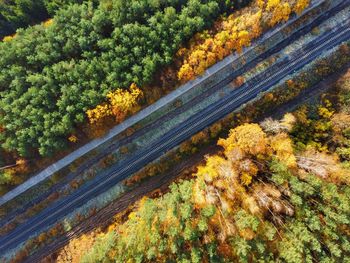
x,y
257,202
16,14
51,75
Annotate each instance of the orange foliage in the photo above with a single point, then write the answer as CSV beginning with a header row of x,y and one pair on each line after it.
x,y
247,138
236,32
219,46
73,138
101,111
281,12
300,6
201,137
77,247
42,238
124,102
239,81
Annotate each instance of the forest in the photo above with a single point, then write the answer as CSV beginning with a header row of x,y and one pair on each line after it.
x,y
51,74
69,79
84,54
15,14
54,73
277,192
271,190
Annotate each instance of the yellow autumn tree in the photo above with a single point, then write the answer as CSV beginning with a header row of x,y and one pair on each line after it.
x,y
272,4
101,111
210,171
248,170
186,72
48,22
283,149
300,6
288,121
280,13
120,104
73,138
124,102
8,38
235,33
249,138
255,24
76,248
260,3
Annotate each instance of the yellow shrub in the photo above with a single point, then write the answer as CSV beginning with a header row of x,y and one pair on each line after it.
x,y
120,104
8,38
48,22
